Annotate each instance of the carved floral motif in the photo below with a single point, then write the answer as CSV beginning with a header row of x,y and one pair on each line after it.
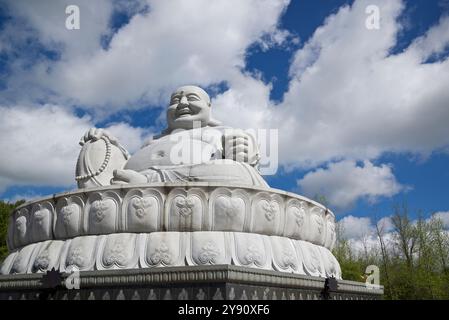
x,y
76,257
270,210
67,212
228,207
299,215
161,255
209,253
142,206
253,255
43,260
40,215
116,254
100,209
288,258
318,220
21,225
185,206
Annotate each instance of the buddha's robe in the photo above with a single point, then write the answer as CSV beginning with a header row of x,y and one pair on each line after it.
x,y
195,155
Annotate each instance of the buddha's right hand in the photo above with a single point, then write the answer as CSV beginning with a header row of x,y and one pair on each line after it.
x,y
96,134
128,176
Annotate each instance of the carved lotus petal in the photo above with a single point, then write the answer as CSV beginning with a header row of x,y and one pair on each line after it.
x,y
76,257
270,208
68,211
16,266
141,206
185,206
229,212
21,225
253,255
42,260
250,250
209,253
102,208
161,255
119,250
228,207
284,254
40,215
299,215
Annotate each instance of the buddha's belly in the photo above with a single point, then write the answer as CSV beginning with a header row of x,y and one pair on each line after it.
x,y
171,153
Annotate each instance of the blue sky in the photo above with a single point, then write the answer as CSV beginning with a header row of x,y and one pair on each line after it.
x,y
362,115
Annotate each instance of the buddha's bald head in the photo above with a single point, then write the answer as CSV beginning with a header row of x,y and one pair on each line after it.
x,y
188,104
193,90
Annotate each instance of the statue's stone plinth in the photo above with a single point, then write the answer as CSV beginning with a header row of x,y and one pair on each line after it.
x,y
218,282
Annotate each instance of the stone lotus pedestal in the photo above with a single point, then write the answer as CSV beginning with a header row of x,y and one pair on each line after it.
x,y
175,241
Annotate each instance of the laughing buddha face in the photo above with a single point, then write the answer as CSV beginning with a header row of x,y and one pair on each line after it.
x,y
188,104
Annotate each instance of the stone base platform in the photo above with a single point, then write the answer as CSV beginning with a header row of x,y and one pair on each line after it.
x,y
217,282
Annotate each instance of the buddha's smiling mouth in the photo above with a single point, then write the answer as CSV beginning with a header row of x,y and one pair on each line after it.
x,y
183,112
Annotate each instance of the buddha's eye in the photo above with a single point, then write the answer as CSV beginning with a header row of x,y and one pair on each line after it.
x,y
174,100
193,98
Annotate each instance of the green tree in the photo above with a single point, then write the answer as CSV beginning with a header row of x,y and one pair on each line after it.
x,y
413,257
5,210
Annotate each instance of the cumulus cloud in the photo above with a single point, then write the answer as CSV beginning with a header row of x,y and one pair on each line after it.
x,y
355,227
173,43
361,233
350,98
344,182
40,144
444,217
45,20
385,224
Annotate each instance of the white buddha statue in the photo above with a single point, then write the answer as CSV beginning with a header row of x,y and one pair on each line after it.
x,y
194,147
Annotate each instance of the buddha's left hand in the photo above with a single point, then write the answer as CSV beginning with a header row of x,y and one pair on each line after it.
x,y
239,146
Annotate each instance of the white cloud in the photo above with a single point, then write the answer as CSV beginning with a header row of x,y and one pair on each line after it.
x,y
40,144
343,183
360,232
45,19
355,227
385,225
444,217
174,43
349,98
248,97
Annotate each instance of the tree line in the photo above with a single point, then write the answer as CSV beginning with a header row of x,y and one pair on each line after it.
x,y
412,256
6,209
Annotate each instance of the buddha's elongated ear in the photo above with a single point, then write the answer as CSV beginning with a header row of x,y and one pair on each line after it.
x,y
214,123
